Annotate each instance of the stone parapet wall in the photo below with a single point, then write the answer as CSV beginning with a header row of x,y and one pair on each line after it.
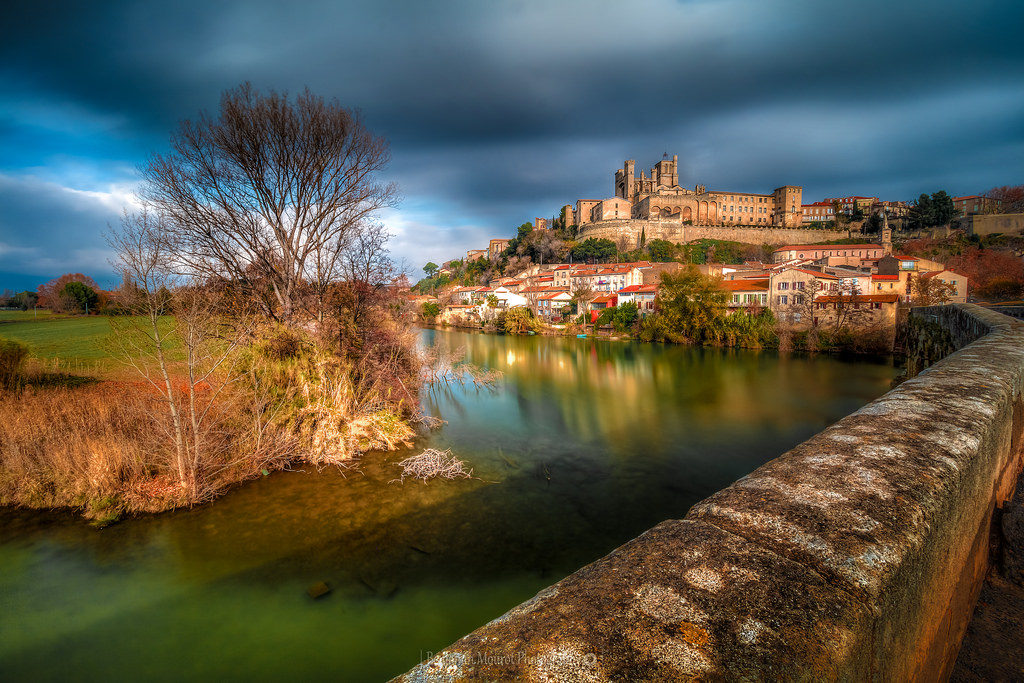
x,y
857,555
675,231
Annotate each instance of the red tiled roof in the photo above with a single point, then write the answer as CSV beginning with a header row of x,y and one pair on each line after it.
x,y
816,273
929,275
639,289
859,299
814,247
744,285
877,276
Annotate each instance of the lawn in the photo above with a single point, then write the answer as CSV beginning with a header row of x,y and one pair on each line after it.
x,y
75,344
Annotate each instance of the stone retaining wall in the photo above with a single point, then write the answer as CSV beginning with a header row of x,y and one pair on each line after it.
x,y
857,555
674,231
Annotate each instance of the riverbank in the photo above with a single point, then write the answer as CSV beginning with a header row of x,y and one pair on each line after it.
x,y
82,430
589,444
872,343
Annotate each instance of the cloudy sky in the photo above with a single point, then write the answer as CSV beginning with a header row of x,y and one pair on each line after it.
x,y
501,111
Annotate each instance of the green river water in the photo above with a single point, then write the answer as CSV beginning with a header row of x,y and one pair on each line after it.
x,y
581,446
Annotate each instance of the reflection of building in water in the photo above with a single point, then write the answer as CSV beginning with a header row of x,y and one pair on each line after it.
x,y
629,395
661,197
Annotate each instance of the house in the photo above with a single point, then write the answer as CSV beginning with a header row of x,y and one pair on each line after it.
x,y
507,297
859,310
791,291
550,305
746,293
465,295
843,254
561,275
643,295
957,282
975,203
818,212
600,303
609,278
459,313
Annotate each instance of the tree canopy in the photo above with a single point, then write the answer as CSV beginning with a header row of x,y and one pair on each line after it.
x,y
594,250
79,296
930,211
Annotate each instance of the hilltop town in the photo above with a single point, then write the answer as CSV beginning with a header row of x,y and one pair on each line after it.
x,y
830,264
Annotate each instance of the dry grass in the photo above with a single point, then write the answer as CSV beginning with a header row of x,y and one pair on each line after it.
x,y
77,447
106,448
332,420
110,447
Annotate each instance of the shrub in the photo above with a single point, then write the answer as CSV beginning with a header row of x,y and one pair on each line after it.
x,y
519,320
12,362
1001,289
430,310
78,296
282,344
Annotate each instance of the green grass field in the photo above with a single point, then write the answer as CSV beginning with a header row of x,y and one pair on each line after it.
x,y
75,344
25,315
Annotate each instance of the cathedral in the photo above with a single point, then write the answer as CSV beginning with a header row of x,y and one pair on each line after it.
x,y
660,197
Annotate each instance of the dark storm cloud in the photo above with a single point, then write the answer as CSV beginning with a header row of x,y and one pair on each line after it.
x,y
500,111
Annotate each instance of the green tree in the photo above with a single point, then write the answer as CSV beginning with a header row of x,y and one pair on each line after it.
x,y
519,320
626,316
856,213
430,269
26,300
594,250
80,296
430,310
661,251
692,305
873,224
920,215
942,209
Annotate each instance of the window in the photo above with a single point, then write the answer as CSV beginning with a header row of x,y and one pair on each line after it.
x,y
783,285
783,299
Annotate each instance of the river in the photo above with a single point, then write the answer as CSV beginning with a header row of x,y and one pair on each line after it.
x,y
580,446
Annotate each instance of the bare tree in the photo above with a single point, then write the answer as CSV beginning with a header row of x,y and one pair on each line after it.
x,y
167,312
582,294
931,291
270,193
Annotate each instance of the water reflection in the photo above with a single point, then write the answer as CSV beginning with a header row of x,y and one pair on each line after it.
x,y
582,446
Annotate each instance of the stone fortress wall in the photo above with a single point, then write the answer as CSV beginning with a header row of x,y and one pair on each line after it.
x,y
857,555
676,232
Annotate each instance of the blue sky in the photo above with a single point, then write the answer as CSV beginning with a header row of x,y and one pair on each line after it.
x,y
501,111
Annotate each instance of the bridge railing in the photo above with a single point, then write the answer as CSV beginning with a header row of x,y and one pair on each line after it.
x,y
857,555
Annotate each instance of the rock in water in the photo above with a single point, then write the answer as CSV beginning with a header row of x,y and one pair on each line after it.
x,y
318,590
